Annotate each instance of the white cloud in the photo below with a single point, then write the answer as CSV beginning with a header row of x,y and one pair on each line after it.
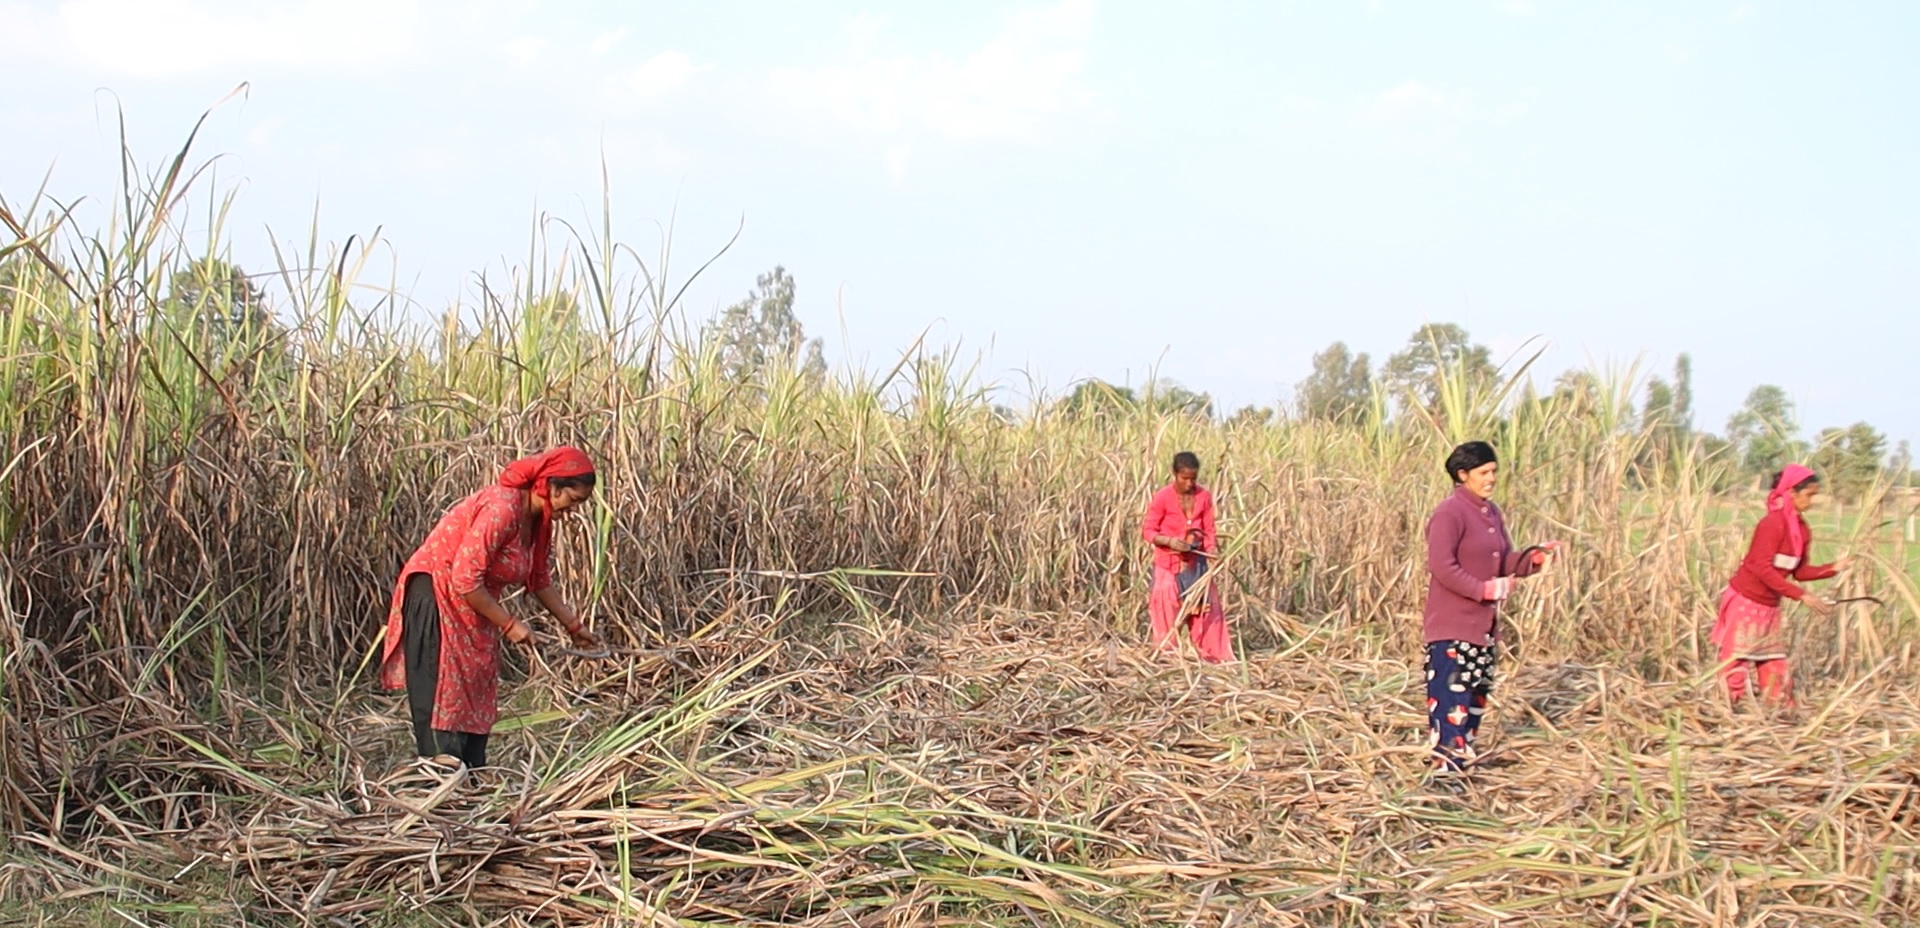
x,y
262,134
1421,119
645,147
1506,348
1415,102
428,160
668,155
1008,87
1298,102
605,43
22,28
1741,13
897,158
160,38
526,49
661,74
863,33
1411,95
1411,100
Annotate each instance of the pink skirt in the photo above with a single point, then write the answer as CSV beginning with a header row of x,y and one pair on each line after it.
x,y
1207,629
1748,631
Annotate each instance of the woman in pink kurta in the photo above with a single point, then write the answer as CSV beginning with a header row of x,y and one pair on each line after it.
x,y
1180,527
445,621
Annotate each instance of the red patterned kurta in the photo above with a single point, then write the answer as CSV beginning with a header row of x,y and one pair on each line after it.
x,y
479,542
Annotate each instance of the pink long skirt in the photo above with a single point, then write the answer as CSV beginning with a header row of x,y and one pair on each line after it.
x,y
1753,649
1208,629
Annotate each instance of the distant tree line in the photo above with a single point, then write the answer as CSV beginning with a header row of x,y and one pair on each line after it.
x,y
1759,438
762,331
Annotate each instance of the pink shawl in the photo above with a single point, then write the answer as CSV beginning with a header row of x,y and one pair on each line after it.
x,y
1781,499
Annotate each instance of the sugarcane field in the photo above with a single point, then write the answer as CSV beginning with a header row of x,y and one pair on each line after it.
x,y
549,581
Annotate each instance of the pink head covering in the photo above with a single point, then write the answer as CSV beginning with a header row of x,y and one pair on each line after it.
x,y
532,473
1781,499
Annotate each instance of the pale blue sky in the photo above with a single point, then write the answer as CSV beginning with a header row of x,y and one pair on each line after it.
x,y
1087,187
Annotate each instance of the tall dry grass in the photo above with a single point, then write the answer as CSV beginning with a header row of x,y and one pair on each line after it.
x,y
201,526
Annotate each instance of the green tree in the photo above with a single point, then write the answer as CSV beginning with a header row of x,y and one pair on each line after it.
x,y
1683,394
1667,416
1849,459
1576,393
1657,415
1339,389
762,330
1437,352
1251,415
1656,420
220,297
1764,431
1097,397
1170,398
1722,468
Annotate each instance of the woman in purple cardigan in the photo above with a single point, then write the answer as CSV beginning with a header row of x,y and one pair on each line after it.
x,y
1471,567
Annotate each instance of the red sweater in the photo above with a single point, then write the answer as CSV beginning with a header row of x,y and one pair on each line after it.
x,y
1164,518
1467,545
1762,575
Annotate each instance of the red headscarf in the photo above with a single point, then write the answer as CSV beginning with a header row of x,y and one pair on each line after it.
x,y
1781,499
532,473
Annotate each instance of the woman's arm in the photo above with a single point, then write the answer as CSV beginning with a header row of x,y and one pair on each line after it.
x,y
540,585
1759,559
1522,563
1519,563
1444,532
559,610
1209,529
1807,572
570,620
490,609
1150,525
492,527
1820,605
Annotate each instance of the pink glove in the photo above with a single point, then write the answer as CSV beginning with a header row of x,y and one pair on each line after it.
x,y
1496,589
1547,550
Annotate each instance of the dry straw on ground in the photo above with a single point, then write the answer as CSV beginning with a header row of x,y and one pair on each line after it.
x,y
1023,768
880,640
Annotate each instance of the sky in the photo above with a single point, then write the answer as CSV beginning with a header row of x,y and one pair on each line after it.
x,y
1082,188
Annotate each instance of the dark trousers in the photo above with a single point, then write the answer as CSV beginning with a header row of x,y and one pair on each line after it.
x,y
1459,680
421,648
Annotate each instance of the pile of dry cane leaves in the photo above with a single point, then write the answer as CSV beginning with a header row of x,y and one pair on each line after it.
x,y
1029,769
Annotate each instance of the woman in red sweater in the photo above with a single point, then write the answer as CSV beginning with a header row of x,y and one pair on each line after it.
x,y
1180,527
1471,568
1748,631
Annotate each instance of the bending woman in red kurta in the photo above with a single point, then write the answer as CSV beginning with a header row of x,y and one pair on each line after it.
x,y
1752,640
445,622
1180,523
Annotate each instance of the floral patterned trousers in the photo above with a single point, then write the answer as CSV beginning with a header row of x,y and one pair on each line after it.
x,y
1459,680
